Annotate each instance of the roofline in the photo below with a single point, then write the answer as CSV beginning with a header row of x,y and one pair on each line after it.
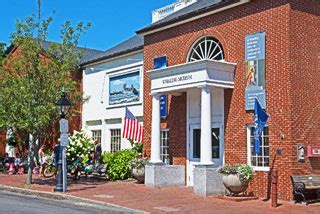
x,y
112,57
191,16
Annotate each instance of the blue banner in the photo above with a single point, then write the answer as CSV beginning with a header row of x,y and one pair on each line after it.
x,y
260,120
158,63
163,106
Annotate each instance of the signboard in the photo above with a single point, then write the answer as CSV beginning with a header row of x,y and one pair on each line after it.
x,y
64,141
158,63
255,66
64,126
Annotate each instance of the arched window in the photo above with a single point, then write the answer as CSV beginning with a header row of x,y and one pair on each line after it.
x,y
207,47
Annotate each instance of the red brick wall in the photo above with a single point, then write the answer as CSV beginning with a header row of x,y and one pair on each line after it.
x,y
292,58
305,70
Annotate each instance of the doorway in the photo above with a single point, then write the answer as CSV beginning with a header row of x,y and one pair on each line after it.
x,y
194,147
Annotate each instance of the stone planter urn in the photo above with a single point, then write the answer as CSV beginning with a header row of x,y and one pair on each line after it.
x,y
138,173
233,184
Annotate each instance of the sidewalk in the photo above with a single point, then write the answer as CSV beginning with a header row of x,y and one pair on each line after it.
x,y
166,200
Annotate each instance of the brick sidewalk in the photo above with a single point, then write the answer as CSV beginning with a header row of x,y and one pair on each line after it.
x,y
165,200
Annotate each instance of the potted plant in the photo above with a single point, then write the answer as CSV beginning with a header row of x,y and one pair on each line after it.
x,y
236,177
138,168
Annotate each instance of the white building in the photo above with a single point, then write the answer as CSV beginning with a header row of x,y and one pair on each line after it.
x,y
112,81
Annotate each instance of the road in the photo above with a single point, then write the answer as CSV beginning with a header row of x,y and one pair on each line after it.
x,y
16,204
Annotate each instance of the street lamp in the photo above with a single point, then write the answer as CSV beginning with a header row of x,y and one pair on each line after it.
x,y
64,104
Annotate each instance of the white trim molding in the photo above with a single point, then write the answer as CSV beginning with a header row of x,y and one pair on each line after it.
x,y
192,75
194,18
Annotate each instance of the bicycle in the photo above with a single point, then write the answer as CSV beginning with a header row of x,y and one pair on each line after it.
x,y
50,168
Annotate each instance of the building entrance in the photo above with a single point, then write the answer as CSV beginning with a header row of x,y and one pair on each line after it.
x,y
194,147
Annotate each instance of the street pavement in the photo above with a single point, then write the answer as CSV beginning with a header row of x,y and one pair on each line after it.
x,y
129,194
16,204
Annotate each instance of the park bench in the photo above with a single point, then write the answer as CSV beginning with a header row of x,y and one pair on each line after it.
x,y
306,188
99,171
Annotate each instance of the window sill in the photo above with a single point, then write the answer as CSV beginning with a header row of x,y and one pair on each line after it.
x,y
261,169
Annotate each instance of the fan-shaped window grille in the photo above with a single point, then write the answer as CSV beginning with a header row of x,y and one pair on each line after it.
x,y
206,48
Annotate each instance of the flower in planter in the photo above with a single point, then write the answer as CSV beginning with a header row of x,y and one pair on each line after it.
x,y
139,162
244,171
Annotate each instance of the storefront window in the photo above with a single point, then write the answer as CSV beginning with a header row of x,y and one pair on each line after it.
x,y
115,140
260,161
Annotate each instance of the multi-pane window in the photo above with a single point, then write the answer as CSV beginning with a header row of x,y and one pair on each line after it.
x,y
206,48
96,135
215,142
263,158
164,139
115,140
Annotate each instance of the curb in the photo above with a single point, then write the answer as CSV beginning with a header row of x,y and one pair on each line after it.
x,y
68,198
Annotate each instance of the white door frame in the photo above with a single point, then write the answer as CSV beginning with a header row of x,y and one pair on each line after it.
x,y
191,162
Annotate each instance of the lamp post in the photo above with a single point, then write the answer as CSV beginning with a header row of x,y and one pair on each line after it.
x,y
64,104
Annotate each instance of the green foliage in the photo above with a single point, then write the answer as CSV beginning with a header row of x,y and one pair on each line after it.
x,y
136,147
2,52
244,171
80,146
119,164
139,162
32,78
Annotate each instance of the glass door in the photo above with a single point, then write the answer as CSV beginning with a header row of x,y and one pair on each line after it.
x,y
194,147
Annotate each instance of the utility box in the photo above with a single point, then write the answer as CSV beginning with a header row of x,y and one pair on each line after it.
x,y
313,151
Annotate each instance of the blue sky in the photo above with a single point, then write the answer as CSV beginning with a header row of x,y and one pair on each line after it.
x,y
112,21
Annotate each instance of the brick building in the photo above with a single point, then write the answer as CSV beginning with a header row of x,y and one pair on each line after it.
x,y
197,87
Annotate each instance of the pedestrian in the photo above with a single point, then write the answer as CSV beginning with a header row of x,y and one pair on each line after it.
x,y
42,159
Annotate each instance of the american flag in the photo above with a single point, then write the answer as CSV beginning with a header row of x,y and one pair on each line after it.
x,y
132,130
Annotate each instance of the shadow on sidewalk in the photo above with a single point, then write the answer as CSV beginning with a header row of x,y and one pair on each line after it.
x,y
73,185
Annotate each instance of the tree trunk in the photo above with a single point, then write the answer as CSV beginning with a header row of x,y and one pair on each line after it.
x,y
30,159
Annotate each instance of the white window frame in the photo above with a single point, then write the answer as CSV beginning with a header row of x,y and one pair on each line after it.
x,y
94,137
161,144
111,139
256,168
207,53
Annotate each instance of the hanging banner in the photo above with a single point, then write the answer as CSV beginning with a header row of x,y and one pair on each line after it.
x,y
163,106
255,69
158,63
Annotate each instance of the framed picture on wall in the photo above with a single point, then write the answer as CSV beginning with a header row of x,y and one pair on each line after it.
x,y
124,88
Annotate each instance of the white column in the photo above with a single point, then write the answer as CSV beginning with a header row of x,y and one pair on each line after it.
x,y
206,135
155,130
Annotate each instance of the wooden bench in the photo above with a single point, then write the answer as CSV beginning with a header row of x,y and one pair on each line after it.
x,y
306,188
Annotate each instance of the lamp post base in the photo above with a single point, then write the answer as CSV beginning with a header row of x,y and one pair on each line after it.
x,y
58,189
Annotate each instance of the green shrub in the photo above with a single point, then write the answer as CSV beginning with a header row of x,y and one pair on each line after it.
x,y
119,164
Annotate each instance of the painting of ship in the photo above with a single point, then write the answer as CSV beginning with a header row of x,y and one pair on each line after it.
x,y
124,89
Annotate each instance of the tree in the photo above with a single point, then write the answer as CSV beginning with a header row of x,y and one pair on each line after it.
x,y
31,80
2,51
